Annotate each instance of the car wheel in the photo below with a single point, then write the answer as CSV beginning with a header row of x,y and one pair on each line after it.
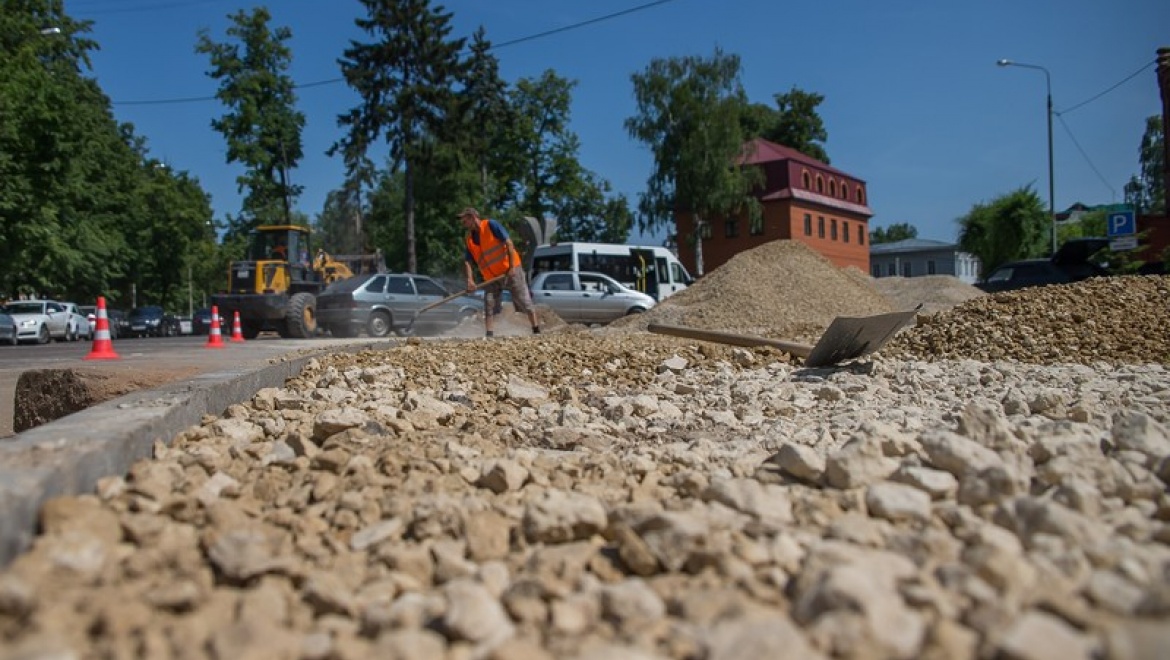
x,y
379,324
634,310
43,335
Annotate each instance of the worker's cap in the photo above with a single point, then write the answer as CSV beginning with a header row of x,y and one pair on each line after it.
x,y
466,212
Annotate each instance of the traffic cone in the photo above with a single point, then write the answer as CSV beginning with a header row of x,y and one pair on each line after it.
x,y
103,346
214,337
237,331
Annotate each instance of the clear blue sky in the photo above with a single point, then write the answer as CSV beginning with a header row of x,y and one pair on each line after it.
x,y
914,102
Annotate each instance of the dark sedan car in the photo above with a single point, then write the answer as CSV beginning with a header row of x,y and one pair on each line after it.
x,y
152,321
201,323
382,303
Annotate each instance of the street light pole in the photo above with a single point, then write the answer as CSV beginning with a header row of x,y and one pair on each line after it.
x,y
1051,184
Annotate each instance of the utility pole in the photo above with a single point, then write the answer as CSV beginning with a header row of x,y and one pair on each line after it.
x,y
1164,86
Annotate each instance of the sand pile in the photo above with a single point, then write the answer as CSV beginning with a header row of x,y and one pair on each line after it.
x,y
934,292
781,289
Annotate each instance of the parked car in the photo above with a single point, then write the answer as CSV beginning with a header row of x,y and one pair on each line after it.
x,y
1037,272
42,320
383,303
115,319
152,321
7,329
201,322
81,326
585,297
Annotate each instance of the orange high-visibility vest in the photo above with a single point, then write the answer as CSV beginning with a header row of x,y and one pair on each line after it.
x,y
491,255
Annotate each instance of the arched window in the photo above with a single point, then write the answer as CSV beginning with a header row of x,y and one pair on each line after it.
x,y
820,184
832,188
805,181
860,195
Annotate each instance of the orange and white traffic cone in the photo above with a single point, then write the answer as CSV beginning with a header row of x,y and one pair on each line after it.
x,y
237,331
214,336
103,346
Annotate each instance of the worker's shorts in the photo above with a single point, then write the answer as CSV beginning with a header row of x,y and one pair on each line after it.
x,y
517,283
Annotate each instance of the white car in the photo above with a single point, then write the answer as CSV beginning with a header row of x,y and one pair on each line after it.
x,y
42,320
582,297
79,321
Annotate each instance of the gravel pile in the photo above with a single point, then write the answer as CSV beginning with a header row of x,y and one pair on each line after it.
x,y
618,494
934,292
782,289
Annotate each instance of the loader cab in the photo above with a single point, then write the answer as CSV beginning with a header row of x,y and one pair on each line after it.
x,y
287,243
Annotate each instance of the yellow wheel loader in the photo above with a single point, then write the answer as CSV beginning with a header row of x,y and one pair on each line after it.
x,y
275,287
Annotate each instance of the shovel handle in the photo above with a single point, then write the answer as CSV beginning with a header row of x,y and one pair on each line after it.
x,y
460,294
799,350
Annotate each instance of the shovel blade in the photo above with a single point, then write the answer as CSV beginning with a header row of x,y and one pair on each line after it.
x,y
853,337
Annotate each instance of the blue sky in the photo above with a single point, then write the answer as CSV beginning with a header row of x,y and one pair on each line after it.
x,y
914,102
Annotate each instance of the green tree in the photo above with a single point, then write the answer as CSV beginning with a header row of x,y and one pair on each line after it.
x,y
689,113
1010,227
794,122
481,122
405,79
1146,192
263,128
899,231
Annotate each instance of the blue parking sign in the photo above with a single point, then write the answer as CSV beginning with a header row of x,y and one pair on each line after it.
x,y
1121,223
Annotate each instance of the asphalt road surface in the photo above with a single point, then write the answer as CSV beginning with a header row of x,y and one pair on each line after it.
x,y
145,355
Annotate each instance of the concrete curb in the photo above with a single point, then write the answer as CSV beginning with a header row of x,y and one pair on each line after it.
x,y
69,456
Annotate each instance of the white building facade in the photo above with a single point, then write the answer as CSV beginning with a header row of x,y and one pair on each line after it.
x,y
918,257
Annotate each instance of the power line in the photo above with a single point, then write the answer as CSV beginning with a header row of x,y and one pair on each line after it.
x,y
177,4
505,44
1094,98
1086,156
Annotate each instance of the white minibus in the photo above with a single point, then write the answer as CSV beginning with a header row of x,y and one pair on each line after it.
x,y
650,269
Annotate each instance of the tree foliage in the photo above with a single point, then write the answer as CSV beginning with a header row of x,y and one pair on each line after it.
x,y
1146,192
405,78
550,179
689,113
899,231
1010,227
83,211
263,128
794,122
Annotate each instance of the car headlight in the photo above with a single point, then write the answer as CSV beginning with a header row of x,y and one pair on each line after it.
x,y
152,321
28,323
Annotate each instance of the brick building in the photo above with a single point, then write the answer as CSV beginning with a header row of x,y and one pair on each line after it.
x,y
803,199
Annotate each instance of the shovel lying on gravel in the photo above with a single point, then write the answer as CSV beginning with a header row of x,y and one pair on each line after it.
x,y
846,338
453,296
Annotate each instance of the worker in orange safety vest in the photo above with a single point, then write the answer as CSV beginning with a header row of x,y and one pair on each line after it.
x,y
490,249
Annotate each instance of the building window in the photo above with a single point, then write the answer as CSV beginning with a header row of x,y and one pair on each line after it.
x,y
876,269
730,228
845,230
820,226
756,226
906,269
808,224
833,229
820,184
861,236
832,188
805,181
930,267
860,196
705,230
892,270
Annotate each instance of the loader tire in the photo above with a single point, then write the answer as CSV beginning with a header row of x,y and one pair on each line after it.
x,y
301,316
